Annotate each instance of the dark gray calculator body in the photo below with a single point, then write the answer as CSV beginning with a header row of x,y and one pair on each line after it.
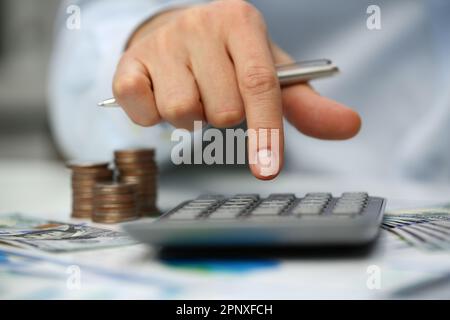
x,y
317,219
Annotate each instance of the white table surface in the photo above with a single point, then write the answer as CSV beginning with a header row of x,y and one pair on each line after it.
x,y
43,189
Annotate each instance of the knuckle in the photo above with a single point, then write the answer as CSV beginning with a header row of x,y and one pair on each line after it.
x,y
180,108
126,86
146,121
185,21
259,79
263,122
195,19
241,8
243,12
227,118
161,41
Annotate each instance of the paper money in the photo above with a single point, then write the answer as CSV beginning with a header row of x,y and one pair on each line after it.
x,y
424,228
54,236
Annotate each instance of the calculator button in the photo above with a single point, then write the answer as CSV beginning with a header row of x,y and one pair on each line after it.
x,y
307,209
224,214
274,202
354,195
273,205
235,204
240,200
253,196
236,209
350,203
204,200
191,209
281,196
184,215
195,206
355,198
313,202
318,195
266,211
210,197
347,209
198,204
203,203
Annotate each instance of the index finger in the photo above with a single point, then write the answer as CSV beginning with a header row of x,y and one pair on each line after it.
x,y
260,90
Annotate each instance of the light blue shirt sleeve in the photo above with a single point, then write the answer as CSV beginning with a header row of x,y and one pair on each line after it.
x,y
81,73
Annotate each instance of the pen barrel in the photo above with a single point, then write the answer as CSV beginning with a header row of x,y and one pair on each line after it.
x,y
288,74
299,72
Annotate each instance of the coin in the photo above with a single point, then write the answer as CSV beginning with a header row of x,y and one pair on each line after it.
x,y
114,187
134,154
95,195
138,173
138,166
82,197
85,174
129,161
84,184
74,164
96,175
115,198
114,202
116,211
117,205
89,171
81,215
112,219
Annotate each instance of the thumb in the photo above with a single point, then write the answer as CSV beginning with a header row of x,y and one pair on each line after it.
x,y
312,114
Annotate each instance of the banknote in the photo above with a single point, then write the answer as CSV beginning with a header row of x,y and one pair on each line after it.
x,y
424,228
441,209
55,236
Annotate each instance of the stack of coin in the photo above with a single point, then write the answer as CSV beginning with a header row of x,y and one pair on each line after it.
x,y
115,202
138,166
84,176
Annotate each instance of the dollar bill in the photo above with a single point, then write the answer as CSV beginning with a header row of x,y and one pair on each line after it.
x,y
424,228
55,236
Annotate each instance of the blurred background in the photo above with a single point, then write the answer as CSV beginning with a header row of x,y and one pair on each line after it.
x,y
407,39
26,30
28,153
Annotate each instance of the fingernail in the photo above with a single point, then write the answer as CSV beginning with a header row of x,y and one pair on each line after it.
x,y
267,162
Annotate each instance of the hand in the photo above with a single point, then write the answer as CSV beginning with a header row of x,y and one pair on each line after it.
x,y
215,63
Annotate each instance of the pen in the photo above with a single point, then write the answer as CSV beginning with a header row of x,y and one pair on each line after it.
x,y
288,74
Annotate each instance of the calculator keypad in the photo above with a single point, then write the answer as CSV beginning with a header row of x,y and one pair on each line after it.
x,y
275,206
195,208
234,206
312,204
350,203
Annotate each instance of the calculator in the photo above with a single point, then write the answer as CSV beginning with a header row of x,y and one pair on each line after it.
x,y
282,219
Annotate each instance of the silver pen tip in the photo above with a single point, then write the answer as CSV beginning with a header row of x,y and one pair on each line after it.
x,y
108,103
